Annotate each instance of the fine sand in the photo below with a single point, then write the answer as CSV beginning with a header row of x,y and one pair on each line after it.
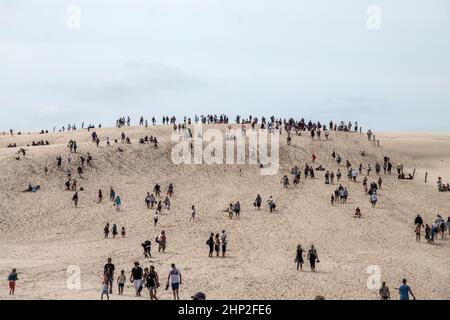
x,y
42,234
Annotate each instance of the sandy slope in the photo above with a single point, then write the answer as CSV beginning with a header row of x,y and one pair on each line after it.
x,y
430,150
42,234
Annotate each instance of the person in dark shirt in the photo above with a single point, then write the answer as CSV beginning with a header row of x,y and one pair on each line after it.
x,y
210,243
313,258
418,220
299,258
109,273
152,283
136,278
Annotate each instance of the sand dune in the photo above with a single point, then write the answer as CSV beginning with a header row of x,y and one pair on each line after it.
x,y
431,151
42,234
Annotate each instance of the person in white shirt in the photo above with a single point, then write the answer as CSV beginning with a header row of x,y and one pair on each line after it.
x,y
374,199
354,175
155,217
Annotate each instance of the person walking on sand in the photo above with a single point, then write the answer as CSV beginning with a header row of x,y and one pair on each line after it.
x,y
59,162
152,282
12,278
157,190
417,230
193,213
405,291
170,190
338,175
299,258
271,204
224,241
428,234
104,288
217,244
155,218
313,258
374,199
108,273
123,232
442,227
161,240
433,231
167,203
121,279
118,203
285,181
210,243
148,200
112,195
75,199
136,278
237,210
100,196
175,280
384,292
159,207
258,202
230,211
114,230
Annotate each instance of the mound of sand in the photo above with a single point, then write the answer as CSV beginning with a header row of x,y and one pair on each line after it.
x,y
42,234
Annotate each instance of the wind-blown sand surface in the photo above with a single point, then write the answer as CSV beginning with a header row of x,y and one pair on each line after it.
x,y
431,151
42,234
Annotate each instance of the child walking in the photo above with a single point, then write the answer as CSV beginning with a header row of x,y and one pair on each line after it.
x,y
12,278
105,289
121,281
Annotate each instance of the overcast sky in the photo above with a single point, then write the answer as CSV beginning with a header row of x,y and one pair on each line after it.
x,y
322,59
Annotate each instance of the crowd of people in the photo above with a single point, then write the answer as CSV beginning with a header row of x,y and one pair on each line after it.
x,y
442,187
140,278
217,242
114,231
311,256
438,227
